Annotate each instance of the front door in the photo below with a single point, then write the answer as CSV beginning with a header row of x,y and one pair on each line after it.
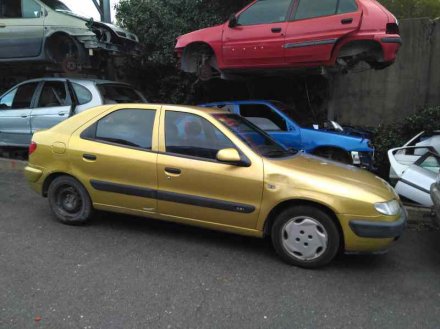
x,y
21,29
258,38
316,26
115,159
15,110
53,106
193,185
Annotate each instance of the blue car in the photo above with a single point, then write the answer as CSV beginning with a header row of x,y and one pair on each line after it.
x,y
276,119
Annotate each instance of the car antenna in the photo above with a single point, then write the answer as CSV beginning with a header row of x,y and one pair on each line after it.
x,y
73,98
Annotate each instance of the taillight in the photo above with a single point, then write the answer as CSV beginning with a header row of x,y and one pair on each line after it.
x,y
32,147
393,28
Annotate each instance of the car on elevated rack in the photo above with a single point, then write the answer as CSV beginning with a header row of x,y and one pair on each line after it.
x,y
214,169
270,37
47,31
42,103
278,120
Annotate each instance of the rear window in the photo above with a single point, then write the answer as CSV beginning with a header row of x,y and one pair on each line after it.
x,y
114,94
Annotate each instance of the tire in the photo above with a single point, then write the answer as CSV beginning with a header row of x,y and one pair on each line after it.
x,y
305,236
69,201
335,155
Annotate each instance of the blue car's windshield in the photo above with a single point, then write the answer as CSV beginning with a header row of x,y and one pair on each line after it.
x,y
254,137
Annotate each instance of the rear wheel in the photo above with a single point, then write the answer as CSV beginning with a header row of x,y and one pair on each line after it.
x,y
69,201
305,236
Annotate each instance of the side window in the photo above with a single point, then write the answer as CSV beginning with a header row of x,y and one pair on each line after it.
x,y
30,9
191,135
6,101
347,6
20,9
23,96
263,117
114,94
82,93
315,8
54,94
265,12
127,128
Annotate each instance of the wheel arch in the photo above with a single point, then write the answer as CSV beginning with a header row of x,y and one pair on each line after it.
x,y
270,219
188,63
326,147
51,177
356,47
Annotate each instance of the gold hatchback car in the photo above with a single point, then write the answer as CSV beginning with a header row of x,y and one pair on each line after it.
x,y
214,169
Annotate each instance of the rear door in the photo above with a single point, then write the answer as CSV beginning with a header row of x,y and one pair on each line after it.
x,y
258,38
52,106
15,110
115,158
316,26
21,29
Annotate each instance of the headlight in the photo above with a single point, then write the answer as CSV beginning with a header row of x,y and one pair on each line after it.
x,y
390,208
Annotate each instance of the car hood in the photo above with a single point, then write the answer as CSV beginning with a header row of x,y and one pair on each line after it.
x,y
309,172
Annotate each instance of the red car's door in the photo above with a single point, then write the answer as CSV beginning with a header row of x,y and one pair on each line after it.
x,y
258,37
316,26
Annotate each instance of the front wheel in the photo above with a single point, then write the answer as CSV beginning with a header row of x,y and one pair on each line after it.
x,y
69,201
305,236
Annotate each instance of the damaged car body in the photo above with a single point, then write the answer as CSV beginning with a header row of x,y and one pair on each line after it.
x,y
48,31
271,37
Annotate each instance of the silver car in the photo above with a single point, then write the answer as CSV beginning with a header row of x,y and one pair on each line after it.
x,y
48,31
42,103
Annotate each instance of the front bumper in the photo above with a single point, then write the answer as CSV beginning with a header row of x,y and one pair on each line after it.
x,y
435,195
379,229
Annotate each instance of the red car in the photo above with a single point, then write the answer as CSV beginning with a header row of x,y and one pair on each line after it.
x,y
292,34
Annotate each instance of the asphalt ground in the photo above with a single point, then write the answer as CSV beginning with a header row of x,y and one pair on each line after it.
x,y
127,272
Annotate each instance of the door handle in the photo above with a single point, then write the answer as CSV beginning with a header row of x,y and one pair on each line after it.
x,y
90,157
61,114
173,171
347,21
2,25
24,116
276,29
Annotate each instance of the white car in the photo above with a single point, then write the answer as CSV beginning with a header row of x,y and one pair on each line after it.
x,y
403,157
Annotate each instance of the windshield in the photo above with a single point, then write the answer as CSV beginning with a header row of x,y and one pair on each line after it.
x,y
56,5
253,136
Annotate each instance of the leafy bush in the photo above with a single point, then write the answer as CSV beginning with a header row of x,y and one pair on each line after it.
x,y
395,135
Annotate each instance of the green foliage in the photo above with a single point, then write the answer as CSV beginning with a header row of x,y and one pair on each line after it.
x,y
413,8
395,135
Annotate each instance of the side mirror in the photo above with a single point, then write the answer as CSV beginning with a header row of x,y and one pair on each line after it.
x,y
233,21
229,155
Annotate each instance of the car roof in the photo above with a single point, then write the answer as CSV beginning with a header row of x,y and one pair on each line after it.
x,y
256,101
79,80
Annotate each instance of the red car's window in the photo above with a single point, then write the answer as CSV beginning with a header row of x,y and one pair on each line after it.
x,y
318,8
265,12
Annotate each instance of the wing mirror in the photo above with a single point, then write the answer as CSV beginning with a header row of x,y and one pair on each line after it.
x,y
229,155
233,21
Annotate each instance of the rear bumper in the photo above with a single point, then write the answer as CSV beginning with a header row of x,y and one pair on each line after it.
x,y
379,229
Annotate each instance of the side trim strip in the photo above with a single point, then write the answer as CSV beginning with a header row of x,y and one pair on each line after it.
x,y
391,40
205,202
310,43
414,186
124,189
172,197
